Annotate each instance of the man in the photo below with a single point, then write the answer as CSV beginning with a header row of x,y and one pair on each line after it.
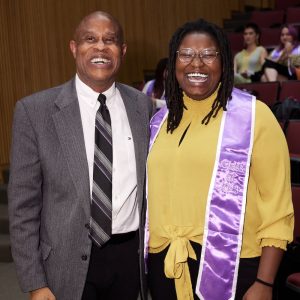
x,y
60,248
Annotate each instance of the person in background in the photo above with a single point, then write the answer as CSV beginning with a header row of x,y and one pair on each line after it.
x,y
77,175
248,62
155,88
277,66
219,214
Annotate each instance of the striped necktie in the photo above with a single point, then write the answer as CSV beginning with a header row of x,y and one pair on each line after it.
x,y
101,205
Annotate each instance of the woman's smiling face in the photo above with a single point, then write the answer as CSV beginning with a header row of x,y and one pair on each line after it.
x,y
198,79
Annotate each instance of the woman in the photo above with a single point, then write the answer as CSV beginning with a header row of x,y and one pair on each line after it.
x,y
155,88
277,66
200,183
249,61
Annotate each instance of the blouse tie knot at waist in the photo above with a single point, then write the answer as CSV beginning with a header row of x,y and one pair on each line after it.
x,y
176,266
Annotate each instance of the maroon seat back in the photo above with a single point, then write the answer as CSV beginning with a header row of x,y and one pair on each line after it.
x,y
293,282
264,91
270,37
293,136
284,4
267,18
236,41
296,203
290,88
293,15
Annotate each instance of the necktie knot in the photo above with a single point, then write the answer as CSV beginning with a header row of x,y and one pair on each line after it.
x,y
102,99
103,109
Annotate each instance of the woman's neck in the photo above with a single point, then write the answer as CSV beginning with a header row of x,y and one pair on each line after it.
x,y
250,48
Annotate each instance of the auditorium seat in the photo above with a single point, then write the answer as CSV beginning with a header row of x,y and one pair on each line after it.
x,y
270,37
290,88
293,15
296,204
293,137
293,280
264,91
268,18
236,41
284,4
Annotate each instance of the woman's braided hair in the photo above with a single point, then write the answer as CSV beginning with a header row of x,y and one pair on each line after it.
x,y
174,93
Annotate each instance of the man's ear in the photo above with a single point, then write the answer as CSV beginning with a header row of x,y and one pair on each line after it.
x,y
73,48
123,50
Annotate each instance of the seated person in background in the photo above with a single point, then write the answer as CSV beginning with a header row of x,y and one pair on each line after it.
x,y
248,62
277,66
155,88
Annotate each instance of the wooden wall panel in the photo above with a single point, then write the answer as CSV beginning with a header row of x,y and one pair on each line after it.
x,y
260,3
35,34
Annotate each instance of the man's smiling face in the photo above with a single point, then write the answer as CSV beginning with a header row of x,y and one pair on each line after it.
x,y
98,52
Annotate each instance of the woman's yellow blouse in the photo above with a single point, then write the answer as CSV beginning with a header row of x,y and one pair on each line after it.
x,y
179,176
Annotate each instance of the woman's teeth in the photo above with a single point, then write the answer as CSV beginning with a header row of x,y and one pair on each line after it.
x,y
197,77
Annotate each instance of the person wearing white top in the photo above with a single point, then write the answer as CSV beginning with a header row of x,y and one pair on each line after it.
x,y
155,88
51,176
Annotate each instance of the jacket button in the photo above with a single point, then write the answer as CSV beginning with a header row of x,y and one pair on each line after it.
x,y
87,226
84,257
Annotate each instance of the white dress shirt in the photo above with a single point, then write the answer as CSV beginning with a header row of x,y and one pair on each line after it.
x,y
125,216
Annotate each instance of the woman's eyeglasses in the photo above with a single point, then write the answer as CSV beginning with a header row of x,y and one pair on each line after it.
x,y
207,56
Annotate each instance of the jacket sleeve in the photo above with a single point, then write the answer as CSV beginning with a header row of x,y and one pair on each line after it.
x,y
25,201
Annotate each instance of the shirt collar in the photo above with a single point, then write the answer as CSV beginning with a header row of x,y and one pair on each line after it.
x,y
90,95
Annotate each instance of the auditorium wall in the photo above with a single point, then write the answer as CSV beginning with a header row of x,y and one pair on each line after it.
x,y
35,34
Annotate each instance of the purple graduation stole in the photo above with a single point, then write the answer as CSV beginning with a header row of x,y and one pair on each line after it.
x,y
276,53
226,201
150,88
225,209
155,125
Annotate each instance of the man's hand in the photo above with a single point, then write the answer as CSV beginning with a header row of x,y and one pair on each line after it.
x,y
42,294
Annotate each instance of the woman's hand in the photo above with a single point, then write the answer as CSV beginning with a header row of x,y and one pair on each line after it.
x,y
268,266
288,47
245,74
258,291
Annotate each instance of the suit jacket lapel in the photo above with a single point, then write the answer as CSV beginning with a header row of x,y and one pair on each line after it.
x,y
70,133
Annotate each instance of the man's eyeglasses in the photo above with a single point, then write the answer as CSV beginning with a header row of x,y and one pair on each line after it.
x,y
207,56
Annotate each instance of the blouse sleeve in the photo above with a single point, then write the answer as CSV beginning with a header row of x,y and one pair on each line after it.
x,y
275,53
270,168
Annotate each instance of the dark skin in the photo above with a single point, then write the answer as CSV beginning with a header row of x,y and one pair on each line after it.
x,y
199,88
268,265
98,50
196,87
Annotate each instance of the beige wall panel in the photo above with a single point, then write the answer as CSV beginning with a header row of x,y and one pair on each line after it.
x,y
35,34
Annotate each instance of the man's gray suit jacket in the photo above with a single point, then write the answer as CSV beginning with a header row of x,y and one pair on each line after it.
x,y
49,194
